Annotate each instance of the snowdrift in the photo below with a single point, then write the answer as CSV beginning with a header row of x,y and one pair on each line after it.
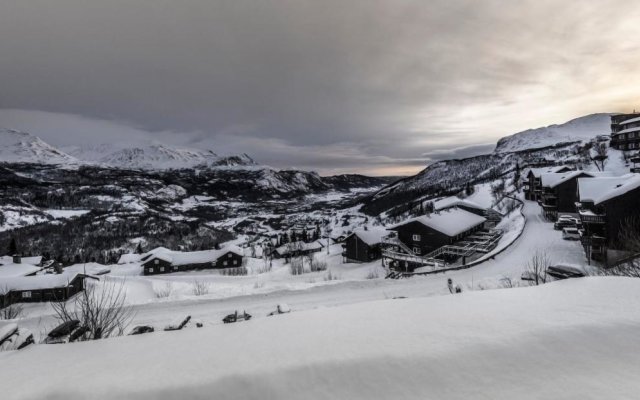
x,y
569,339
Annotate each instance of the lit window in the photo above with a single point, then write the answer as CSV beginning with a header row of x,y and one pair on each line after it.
x,y
416,238
26,295
416,250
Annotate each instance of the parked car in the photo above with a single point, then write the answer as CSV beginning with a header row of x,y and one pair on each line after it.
x,y
236,317
141,329
570,234
561,271
564,222
280,309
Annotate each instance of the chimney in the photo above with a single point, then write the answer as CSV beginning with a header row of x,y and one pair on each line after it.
x,y
17,259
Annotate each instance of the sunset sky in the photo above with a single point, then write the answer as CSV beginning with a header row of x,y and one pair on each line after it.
x,y
375,87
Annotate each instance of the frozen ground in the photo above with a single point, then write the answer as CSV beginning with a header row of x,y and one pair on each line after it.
x,y
566,340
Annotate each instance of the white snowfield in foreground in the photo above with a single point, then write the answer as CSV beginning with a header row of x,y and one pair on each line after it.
x,y
574,339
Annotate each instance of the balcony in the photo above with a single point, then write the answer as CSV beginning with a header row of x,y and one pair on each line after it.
x,y
589,217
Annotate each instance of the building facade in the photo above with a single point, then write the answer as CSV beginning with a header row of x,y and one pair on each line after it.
x,y
625,132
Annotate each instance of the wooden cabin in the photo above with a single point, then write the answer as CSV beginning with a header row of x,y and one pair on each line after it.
x,y
607,204
164,261
560,192
532,184
625,131
427,233
41,288
363,245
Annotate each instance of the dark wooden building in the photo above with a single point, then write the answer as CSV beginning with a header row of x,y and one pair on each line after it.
x,y
531,180
296,249
560,192
41,288
164,261
607,205
422,235
363,245
625,131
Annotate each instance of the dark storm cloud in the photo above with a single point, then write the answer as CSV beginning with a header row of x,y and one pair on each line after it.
x,y
347,83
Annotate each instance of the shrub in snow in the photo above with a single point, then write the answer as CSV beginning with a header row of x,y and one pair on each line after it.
x,y
164,290
536,269
200,288
12,312
331,277
296,267
373,274
317,265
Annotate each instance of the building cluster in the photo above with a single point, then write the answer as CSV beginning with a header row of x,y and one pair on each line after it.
x,y
456,231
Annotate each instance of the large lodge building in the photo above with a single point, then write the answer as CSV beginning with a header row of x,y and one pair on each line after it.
x,y
625,132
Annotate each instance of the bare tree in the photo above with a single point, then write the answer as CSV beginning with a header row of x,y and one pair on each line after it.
x,y
536,269
101,308
599,155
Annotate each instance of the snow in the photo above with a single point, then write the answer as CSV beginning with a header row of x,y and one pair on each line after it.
x,y
601,189
554,179
90,268
14,270
36,282
451,222
371,236
16,146
577,130
629,121
570,339
35,260
66,213
191,257
628,130
453,201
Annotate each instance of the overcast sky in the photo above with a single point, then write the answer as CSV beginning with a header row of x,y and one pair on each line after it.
x,y
379,87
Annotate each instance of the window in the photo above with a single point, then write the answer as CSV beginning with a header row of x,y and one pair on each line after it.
x,y
224,263
235,262
150,270
161,269
156,262
416,250
175,268
416,238
26,295
229,255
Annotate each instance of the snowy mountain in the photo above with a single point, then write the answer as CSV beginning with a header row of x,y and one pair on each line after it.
x,y
16,146
154,156
576,130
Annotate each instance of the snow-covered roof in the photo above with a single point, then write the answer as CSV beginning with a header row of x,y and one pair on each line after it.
x,y
552,180
371,236
629,121
192,257
537,172
23,260
599,190
36,282
451,222
453,201
636,129
90,268
299,245
13,270
129,258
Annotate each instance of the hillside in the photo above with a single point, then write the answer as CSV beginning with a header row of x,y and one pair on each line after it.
x,y
576,130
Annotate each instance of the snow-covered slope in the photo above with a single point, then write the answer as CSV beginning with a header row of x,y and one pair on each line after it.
x,y
566,340
578,129
16,146
154,156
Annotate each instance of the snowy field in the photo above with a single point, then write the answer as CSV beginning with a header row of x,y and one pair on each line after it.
x,y
258,294
565,340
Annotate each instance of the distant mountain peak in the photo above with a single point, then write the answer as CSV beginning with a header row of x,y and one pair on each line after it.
x,y
18,146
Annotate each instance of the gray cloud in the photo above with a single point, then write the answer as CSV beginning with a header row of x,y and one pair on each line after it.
x,y
350,85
